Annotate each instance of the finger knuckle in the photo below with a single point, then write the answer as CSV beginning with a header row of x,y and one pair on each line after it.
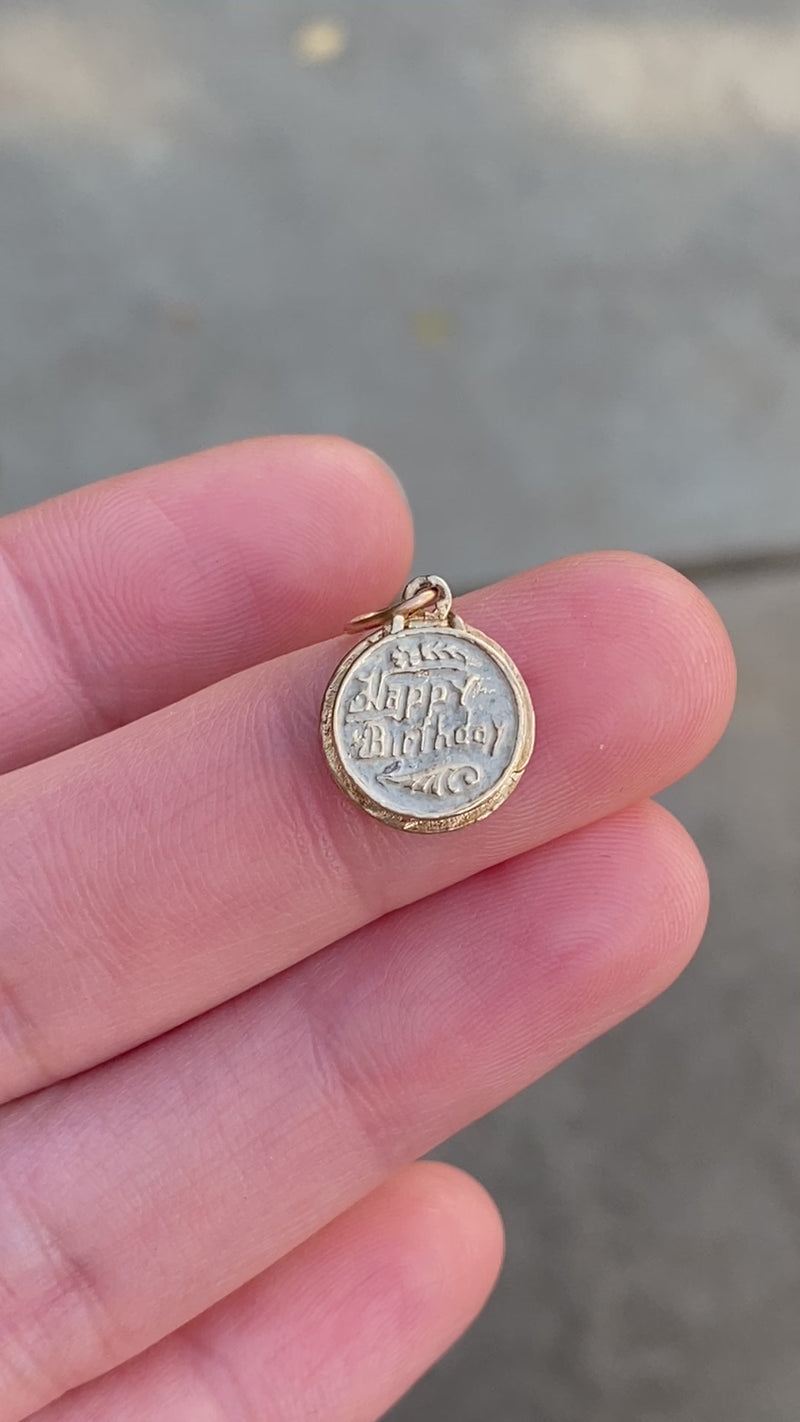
x,y
55,1326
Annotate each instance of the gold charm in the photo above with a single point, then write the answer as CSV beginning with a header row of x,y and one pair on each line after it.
x,y
427,723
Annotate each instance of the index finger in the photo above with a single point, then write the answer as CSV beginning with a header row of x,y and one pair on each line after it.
x,y
127,595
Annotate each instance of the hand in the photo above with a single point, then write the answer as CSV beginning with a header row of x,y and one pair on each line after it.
x,y
233,1007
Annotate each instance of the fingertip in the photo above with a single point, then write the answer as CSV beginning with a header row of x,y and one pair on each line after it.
x,y
620,908
696,644
320,523
336,453
699,630
627,658
358,511
680,894
453,1239
656,884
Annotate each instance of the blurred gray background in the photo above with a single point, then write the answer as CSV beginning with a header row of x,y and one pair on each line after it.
x,y
545,257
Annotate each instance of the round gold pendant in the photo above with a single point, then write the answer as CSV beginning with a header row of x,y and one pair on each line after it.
x,y
427,724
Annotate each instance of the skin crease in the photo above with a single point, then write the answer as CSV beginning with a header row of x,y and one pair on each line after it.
x,y
199,860
409,1267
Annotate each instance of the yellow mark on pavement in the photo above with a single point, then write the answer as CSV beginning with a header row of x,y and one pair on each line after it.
x,y
433,328
319,42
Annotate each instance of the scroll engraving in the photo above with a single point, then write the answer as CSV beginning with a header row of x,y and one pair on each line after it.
x,y
447,780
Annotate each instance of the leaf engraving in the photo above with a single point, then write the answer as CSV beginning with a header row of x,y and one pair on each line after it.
x,y
432,654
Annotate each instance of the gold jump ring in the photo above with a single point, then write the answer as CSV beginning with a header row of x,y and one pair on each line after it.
x,y
421,594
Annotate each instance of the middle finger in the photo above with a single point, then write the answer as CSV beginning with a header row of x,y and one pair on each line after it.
x,y
152,874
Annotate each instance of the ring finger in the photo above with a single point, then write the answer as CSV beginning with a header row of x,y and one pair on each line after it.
x,y
214,1151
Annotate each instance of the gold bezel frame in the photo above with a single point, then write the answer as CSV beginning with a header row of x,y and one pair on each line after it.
x,y
491,800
